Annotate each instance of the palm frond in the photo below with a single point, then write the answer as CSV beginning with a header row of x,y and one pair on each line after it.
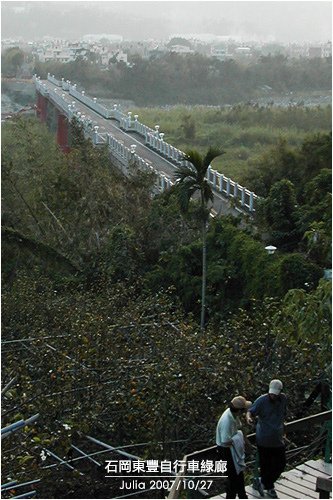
x,y
184,172
211,154
207,192
194,157
191,176
185,193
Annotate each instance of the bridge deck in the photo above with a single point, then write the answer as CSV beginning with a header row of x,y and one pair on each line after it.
x,y
221,204
297,483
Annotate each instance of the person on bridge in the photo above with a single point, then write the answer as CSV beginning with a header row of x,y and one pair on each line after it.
x,y
270,410
230,446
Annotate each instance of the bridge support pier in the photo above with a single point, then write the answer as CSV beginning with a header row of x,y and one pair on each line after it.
x,y
41,107
55,121
62,132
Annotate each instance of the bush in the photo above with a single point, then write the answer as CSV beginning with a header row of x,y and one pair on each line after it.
x,y
239,270
297,272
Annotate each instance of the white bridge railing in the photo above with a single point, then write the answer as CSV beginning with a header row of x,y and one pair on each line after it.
x,y
153,139
125,156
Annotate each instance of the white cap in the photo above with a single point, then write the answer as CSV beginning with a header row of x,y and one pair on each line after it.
x,y
275,387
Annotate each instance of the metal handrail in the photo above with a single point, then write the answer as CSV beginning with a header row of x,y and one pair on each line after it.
x,y
290,426
210,452
6,431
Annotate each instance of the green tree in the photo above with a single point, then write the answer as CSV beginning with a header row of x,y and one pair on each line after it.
x,y
306,317
316,154
279,162
318,244
317,206
279,211
297,272
65,202
191,176
11,60
188,127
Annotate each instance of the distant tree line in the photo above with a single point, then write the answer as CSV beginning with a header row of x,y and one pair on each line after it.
x,y
194,78
11,61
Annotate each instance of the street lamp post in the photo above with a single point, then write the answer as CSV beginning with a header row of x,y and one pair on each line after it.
x,y
270,249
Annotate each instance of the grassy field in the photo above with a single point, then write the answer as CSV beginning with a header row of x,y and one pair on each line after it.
x,y
244,132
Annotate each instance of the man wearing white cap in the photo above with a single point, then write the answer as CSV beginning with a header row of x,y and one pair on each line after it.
x,y
270,410
228,446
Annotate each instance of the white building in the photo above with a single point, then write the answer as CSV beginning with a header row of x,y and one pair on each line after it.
x,y
326,50
181,49
221,53
97,38
63,55
243,51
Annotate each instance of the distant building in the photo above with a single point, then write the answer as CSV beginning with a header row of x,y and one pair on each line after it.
x,y
122,57
207,37
103,36
314,52
326,50
242,53
220,53
10,42
60,53
181,49
157,52
296,51
310,51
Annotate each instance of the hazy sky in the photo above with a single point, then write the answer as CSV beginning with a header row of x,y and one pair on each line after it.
x,y
264,20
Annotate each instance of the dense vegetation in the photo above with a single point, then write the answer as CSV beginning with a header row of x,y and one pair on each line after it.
x,y
245,132
195,79
11,61
106,279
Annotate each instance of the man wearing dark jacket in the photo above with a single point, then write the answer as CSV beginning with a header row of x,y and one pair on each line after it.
x,y
270,410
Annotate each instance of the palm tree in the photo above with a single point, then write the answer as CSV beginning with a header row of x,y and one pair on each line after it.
x,y
191,178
